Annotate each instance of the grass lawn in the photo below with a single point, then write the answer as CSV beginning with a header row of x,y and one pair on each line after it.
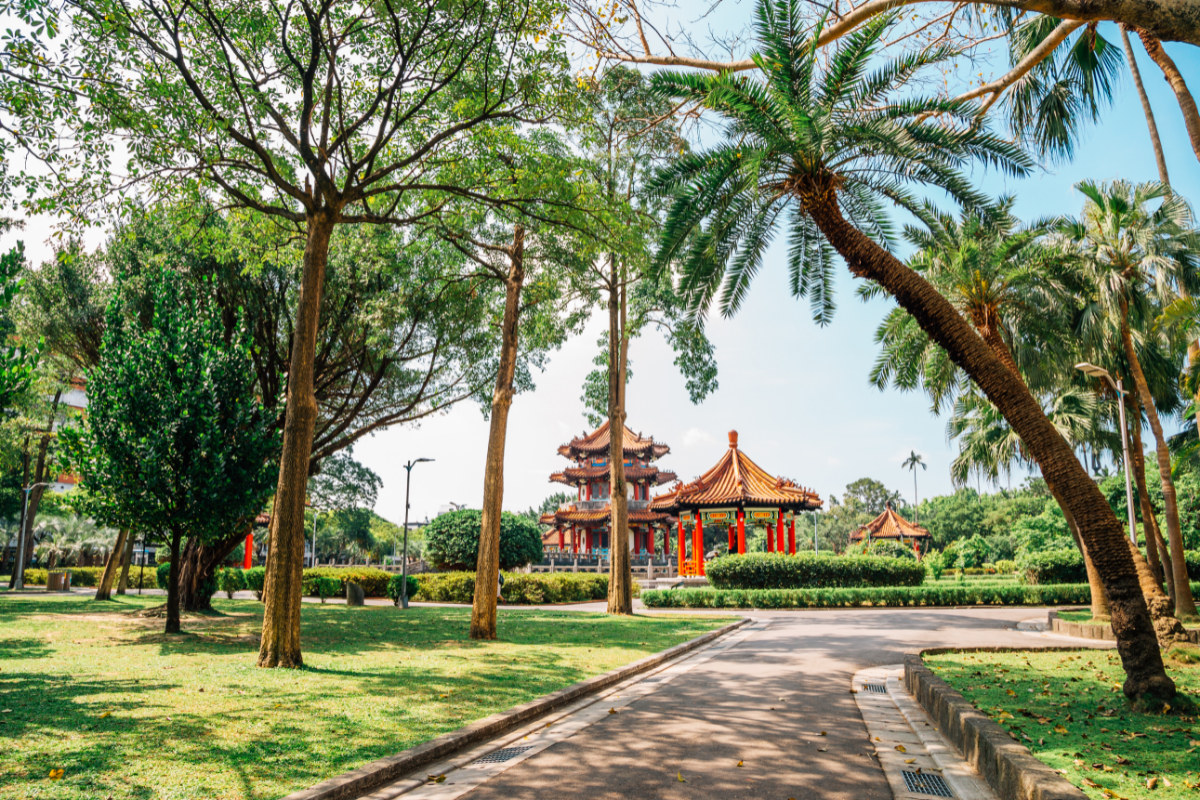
x,y
1067,707
126,712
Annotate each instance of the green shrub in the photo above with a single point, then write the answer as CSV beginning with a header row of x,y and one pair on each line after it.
x,y
877,596
935,563
322,586
163,574
777,571
373,581
1192,559
519,588
396,581
255,578
452,540
1053,566
87,576
230,580
1005,567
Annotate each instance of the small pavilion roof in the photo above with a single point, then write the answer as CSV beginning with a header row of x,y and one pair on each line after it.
x,y
574,476
633,444
890,525
572,514
735,480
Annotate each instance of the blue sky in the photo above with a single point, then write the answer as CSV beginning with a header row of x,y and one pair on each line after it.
x,y
798,394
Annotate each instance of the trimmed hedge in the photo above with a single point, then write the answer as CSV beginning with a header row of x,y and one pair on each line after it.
x,y
255,578
90,576
519,588
878,596
396,581
230,580
810,570
1053,566
321,586
373,581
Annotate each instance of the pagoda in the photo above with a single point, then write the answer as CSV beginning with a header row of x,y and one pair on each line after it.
x,y
583,525
734,490
890,525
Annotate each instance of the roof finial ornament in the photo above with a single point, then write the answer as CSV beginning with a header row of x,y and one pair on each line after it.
x,y
733,439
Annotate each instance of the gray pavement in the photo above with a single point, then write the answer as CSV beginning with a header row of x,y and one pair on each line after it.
x,y
778,701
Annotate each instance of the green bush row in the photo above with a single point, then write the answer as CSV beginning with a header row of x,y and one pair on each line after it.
x,y
373,581
89,576
878,596
396,581
810,570
519,588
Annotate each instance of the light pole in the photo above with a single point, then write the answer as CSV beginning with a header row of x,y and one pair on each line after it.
x,y
1100,372
404,564
19,566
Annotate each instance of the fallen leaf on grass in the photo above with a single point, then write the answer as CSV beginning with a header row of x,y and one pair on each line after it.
x,y
679,777
56,774
1152,783
106,714
1060,729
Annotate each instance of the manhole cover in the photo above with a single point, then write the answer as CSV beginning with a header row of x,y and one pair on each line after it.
x,y
506,753
926,783
877,688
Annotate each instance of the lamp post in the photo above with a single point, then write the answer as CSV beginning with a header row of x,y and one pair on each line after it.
x,y
404,564
1094,371
19,565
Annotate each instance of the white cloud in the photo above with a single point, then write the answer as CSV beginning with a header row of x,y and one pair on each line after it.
x,y
697,437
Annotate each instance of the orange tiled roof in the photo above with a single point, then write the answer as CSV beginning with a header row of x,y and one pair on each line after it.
x,y
890,525
572,514
735,480
574,475
598,441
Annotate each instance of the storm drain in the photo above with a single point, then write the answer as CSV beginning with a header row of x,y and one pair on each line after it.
x,y
506,753
877,688
926,783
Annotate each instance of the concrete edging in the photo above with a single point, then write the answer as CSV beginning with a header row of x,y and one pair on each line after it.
x,y
1103,633
360,781
1006,764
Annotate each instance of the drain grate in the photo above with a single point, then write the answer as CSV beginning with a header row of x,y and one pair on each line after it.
x,y
503,754
877,688
926,783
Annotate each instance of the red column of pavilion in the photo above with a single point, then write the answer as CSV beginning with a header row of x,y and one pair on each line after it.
x,y
779,532
732,543
682,544
770,539
741,534
792,536
698,544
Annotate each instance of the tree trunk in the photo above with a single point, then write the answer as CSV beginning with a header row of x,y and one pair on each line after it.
x,y
1155,141
1187,103
173,584
110,569
126,560
282,589
1146,677
620,576
487,562
1095,586
200,563
1149,520
1185,605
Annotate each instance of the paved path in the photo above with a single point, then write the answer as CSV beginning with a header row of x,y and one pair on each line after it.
x,y
777,700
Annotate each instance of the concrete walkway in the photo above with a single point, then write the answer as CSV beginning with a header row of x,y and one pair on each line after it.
x,y
777,699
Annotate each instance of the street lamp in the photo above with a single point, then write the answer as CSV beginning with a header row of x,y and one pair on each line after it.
x,y
404,564
19,566
1094,371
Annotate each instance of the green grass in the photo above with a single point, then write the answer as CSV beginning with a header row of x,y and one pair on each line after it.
x,y
1067,707
975,580
129,713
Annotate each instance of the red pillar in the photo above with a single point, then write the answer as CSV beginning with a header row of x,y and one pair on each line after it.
x,y
574,541
732,543
561,542
698,544
792,536
770,539
779,532
666,540
741,540
248,560
588,547
682,544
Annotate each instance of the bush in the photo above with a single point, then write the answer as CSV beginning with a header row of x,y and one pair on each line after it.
x,y
776,571
519,588
1192,559
321,586
935,563
1053,566
1005,567
373,581
452,540
255,577
230,580
878,596
89,576
396,581
163,574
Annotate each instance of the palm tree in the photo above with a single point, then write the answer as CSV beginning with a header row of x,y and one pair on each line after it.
x,y
913,461
827,150
1137,257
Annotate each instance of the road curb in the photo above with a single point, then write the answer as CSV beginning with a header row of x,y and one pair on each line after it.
x,y
1103,633
360,781
1006,764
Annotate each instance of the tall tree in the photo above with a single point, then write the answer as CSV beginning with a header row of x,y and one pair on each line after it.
x,y
845,152
175,439
911,463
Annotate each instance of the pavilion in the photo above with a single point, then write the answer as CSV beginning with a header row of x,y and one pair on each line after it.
x,y
734,490
583,524
891,526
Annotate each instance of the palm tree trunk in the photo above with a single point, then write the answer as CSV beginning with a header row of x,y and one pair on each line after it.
x,y
1155,141
126,560
620,575
282,589
1149,520
1187,103
1137,646
104,590
487,562
1095,585
1185,605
